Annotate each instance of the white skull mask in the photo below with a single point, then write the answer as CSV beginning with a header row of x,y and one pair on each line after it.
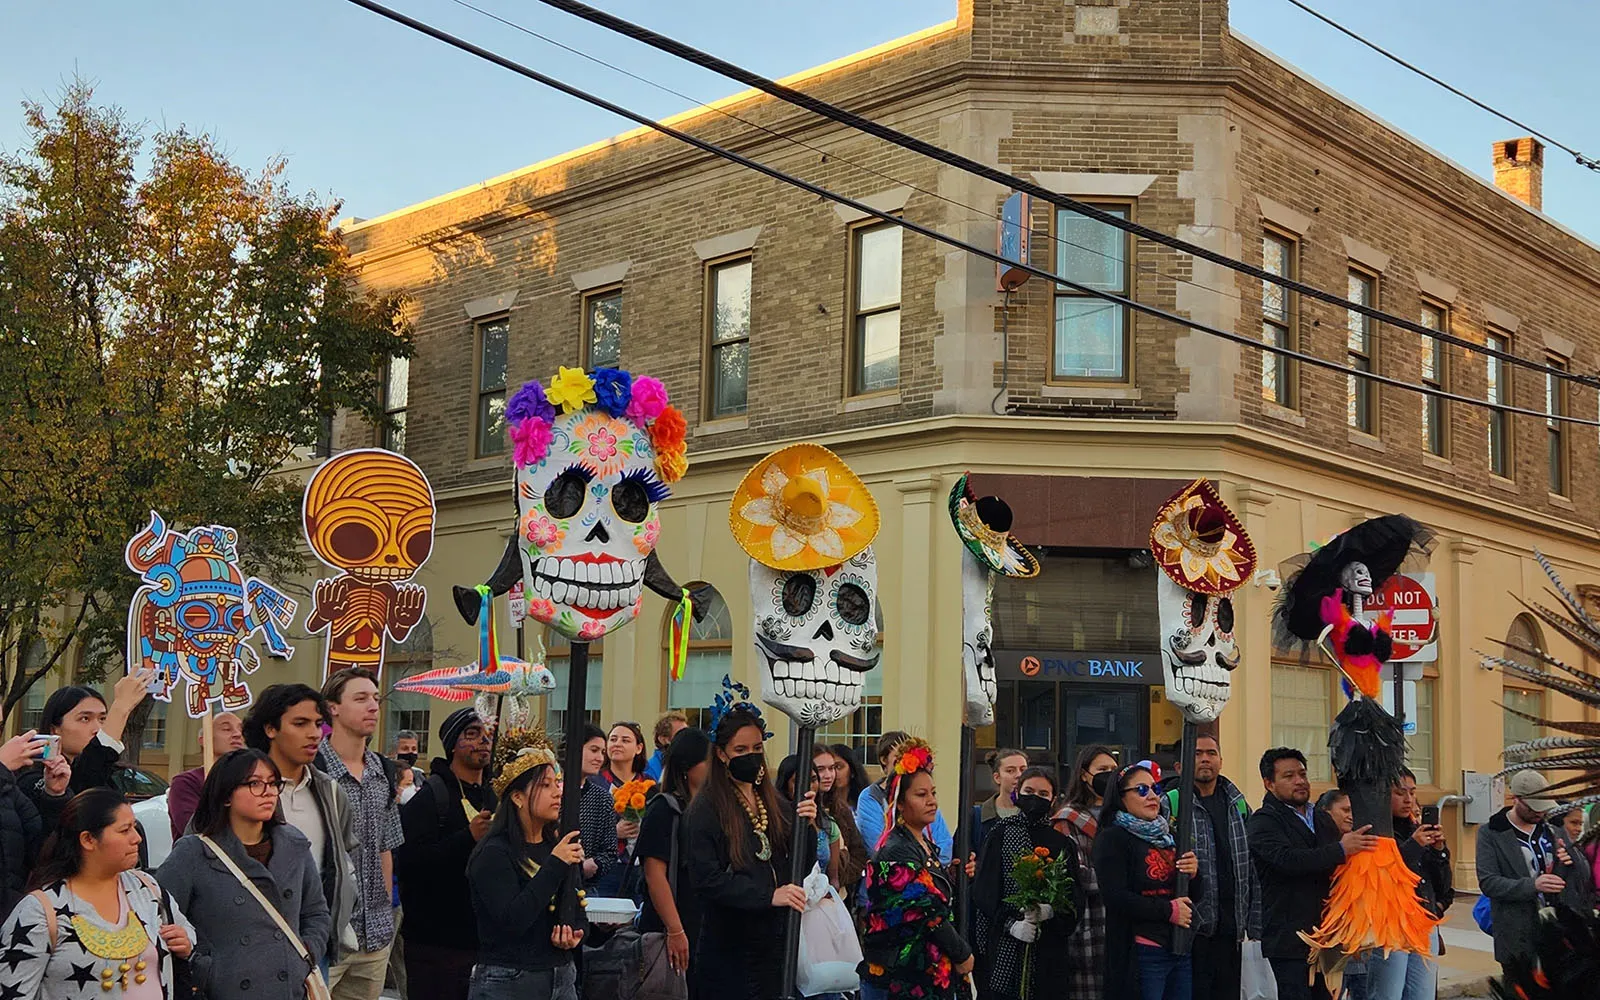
x,y
588,521
977,640
1356,579
817,636
1198,650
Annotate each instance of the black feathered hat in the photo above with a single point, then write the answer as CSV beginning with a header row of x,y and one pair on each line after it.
x,y
1381,543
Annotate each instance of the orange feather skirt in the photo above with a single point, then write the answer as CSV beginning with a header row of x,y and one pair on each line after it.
x,y
1374,905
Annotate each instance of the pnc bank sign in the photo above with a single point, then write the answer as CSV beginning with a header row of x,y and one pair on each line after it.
x,y
1078,666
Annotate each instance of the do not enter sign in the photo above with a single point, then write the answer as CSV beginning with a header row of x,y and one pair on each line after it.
x,y
1415,623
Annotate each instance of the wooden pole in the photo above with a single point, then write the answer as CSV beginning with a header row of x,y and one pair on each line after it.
x,y
568,910
802,855
1183,937
208,738
963,845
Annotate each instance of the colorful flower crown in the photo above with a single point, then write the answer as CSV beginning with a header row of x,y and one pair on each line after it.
x,y
735,697
915,755
642,400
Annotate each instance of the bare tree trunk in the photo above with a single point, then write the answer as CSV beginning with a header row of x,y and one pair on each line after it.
x,y
133,732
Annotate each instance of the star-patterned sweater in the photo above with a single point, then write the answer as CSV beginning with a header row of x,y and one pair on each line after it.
x,y
30,968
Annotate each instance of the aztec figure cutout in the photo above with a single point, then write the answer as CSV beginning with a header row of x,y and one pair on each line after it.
x,y
195,610
807,523
368,513
1204,556
983,525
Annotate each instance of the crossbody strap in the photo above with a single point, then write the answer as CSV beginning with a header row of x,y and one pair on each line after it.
x,y
272,911
672,854
49,916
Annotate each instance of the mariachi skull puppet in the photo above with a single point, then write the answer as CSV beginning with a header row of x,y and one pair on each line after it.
x,y
194,611
368,513
807,522
983,524
594,454
1204,556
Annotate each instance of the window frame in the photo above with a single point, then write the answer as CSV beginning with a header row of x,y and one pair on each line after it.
x,y
559,647
853,316
1287,370
1510,682
710,347
1556,398
1130,247
586,306
1499,424
1361,393
1317,755
479,393
393,438
1436,411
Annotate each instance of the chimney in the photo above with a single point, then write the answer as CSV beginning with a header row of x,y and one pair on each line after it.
x,y
1519,170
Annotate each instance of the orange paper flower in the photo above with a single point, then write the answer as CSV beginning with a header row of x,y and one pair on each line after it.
x,y
668,430
671,465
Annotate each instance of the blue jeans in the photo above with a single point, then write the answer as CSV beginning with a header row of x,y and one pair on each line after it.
x,y
871,992
1163,975
1402,975
495,982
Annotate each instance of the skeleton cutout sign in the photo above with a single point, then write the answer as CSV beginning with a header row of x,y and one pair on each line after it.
x,y
983,524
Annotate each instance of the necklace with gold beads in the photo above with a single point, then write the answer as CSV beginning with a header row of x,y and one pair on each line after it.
x,y
758,823
122,948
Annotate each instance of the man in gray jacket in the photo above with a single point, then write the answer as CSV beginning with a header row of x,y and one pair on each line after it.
x,y
1525,864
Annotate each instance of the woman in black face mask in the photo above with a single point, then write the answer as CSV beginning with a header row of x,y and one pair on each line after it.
x,y
737,841
1003,930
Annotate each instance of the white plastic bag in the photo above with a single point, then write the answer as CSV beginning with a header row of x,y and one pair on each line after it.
x,y
1255,974
829,951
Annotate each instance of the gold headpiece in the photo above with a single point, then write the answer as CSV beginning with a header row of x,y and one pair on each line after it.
x,y
519,750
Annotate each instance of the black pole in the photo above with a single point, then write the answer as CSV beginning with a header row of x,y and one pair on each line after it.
x,y
1399,695
802,855
1183,937
963,845
570,912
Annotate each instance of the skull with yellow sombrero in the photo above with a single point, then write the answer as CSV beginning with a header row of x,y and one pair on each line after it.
x,y
984,526
807,522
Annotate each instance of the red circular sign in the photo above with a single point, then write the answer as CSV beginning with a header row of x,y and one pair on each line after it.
x,y
1415,620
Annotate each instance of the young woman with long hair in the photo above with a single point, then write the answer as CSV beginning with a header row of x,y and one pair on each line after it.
x,y
89,917
516,874
838,801
830,846
1005,767
669,908
851,771
625,754
738,843
242,954
1079,819
1135,860
610,855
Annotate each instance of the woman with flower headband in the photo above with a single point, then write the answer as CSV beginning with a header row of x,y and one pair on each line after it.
x,y
1135,860
911,945
517,873
737,838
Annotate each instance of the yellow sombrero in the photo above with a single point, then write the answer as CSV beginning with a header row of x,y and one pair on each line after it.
x,y
1199,543
801,508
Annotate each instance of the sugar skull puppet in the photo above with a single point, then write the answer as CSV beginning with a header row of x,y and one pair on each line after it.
x,y
807,522
983,524
1204,556
369,514
594,455
194,611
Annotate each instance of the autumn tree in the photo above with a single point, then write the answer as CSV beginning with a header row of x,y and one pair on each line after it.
x,y
168,342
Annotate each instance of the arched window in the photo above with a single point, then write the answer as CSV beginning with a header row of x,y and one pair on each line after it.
x,y
710,659
558,657
1524,633
403,710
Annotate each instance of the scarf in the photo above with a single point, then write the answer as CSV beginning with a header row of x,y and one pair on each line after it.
x,y
1152,831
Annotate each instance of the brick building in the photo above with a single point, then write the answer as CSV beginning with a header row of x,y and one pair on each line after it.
x,y
773,316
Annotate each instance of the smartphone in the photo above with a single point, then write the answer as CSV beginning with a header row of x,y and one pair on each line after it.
x,y
52,745
1430,815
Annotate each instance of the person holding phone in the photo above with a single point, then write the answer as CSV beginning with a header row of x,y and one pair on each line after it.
x,y
21,828
1402,975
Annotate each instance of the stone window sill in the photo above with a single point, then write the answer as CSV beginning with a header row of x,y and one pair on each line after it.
x,y
876,401
1058,390
1500,482
1277,411
722,425
1371,442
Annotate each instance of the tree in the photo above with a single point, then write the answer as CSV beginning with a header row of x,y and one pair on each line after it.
x,y
169,343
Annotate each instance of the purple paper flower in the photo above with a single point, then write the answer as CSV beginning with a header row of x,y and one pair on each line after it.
x,y
613,389
529,403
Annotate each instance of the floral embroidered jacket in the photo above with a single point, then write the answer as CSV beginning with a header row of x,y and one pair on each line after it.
x,y
911,945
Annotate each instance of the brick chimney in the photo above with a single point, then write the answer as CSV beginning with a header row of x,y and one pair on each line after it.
x,y
1519,170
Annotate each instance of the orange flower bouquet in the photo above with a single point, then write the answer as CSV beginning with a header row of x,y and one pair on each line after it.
x,y
1041,879
629,798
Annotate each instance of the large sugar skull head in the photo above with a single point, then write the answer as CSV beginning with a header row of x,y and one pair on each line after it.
x,y
370,513
1204,556
594,454
816,636
984,526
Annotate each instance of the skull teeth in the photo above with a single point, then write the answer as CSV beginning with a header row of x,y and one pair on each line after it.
x,y
825,681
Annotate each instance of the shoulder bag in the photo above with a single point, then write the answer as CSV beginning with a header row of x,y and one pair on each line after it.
x,y
316,986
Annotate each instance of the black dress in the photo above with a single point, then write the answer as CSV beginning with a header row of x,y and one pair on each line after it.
x,y
740,952
1002,970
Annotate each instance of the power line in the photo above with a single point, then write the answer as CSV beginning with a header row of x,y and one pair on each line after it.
x,y
852,120
933,234
1583,160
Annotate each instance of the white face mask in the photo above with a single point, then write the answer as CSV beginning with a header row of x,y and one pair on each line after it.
x,y
1356,578
977,639
816,636
1198,649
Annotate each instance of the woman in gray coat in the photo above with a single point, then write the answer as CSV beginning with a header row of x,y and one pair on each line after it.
x,y
242,954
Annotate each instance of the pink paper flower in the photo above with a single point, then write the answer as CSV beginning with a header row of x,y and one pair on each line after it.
x,y
648,400
531,442
542,531
541,610
591,629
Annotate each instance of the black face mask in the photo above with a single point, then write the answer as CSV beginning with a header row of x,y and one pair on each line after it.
x,y
1033,807
747,767
406,759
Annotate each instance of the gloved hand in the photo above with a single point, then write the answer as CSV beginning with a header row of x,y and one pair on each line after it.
x,y
1024,930
1042,912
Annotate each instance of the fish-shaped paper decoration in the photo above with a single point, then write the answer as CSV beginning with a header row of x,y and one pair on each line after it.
x,y
515,678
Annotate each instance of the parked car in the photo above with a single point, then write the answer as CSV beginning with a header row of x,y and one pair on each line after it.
x,y
157,827
137,783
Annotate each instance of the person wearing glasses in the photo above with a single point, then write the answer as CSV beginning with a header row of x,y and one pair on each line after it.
x,y
242,954
1136,862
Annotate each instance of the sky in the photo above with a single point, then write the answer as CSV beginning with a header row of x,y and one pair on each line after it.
x,y
380,117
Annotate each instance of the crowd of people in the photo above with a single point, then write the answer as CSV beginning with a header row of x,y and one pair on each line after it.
x,y
305,865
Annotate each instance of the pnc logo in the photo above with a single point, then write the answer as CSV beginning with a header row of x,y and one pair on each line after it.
x,y
1030,666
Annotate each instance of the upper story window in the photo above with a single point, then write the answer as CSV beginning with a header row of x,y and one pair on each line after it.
x,y
875,304
728,330
1091,335
396,388
1280,255
493,346
1555,404
1361,353
1497,389
1435,375
602,329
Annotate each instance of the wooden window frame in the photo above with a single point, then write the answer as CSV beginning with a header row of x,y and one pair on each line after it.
x,y
1130,247
393,438
1499,422
1436,411
852,350
586,344
1364,411
1287,370
708,307
1556,399
479,393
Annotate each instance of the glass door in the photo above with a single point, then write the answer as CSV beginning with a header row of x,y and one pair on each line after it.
x,y
1113,716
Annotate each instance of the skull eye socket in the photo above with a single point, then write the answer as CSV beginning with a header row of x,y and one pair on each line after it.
x,y
418,546
563,498
354,542
1196,609
235,619
853,604
1225,615
631,501
198,616
799,595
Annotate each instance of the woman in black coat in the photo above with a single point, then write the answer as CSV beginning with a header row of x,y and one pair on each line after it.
x,y
1135,859
1004,930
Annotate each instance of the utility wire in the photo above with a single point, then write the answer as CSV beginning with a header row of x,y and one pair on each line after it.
x,y
852,120
933,234
1583,160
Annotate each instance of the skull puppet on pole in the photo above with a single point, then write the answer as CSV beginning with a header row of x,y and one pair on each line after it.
x,y
1204,555
807,522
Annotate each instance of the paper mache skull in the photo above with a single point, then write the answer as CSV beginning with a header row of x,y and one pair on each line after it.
x,y
807,523
594,454
983,524
1204,556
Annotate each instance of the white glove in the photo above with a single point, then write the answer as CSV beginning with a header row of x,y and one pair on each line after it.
x,y
1043,912
1025,930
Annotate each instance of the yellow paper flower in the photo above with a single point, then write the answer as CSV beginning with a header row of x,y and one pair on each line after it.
x,y
671,465
572,389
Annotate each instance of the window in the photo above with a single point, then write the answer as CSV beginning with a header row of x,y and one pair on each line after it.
x,y
1091,334
493,336
602,329
1523,634
155,727
33,709
1435,411
710,659
1302,700
1361,351
1420,758
1498,390
875,302
402,709
728,326
558,657
396,390
1278,256
1555,404
861,728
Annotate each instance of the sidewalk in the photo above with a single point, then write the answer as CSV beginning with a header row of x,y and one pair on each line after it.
x,y
1468,961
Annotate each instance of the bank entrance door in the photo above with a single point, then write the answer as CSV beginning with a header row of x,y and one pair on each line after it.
x,y
1051,720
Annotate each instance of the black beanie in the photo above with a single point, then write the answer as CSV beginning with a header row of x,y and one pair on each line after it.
x,y
454,725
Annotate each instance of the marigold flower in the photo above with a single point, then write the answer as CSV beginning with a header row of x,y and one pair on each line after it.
x,y
671,465
668,430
